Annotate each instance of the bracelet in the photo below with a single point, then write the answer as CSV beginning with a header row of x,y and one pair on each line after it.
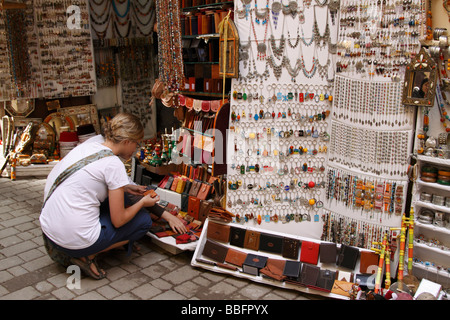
x,y
444,183
429,169
426,179
444,173
428,174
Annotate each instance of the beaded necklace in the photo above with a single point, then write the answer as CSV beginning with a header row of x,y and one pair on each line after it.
x,y
169,44
441,98
18,49
260,46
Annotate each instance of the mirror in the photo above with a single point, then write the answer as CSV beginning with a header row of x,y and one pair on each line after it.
x,y
420,81
19,108
56,120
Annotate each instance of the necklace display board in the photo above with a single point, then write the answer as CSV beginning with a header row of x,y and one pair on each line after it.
x,y
319,141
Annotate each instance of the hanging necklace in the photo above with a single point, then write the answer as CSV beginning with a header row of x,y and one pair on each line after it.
x,y
243,51
247,4
297,40
169,44
277,51
255,74
276,8
321,40
290,8
260,46
311,39
440,96
323,69
308,73
263,15
127,10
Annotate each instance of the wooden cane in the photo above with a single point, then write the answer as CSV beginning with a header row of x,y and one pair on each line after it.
x,y
410,240
381,252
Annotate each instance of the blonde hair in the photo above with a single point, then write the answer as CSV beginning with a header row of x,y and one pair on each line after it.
x,y
124,126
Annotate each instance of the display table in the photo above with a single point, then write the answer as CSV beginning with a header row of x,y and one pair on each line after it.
x,y
33,170
169,244
260,279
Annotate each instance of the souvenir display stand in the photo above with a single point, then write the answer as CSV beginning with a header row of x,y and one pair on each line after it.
x,y
319,141
431,192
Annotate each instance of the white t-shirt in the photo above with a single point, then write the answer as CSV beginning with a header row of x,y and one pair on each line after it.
x,y
70,217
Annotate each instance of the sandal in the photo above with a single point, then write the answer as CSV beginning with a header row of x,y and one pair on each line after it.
x,y
86,267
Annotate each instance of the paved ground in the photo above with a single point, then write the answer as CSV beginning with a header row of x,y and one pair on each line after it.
x,y
27,273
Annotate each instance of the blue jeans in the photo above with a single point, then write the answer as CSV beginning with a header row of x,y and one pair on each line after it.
x,y
133,230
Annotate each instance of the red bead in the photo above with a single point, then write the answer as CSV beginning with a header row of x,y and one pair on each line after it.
x,y
311,184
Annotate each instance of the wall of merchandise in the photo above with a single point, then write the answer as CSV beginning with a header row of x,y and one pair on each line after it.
x,y
126,64
109,57
320,140
42,58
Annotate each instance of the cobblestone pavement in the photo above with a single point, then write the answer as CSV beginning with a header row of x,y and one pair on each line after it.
x,y
27,273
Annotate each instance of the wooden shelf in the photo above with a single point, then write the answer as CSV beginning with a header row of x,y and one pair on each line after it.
x,y
208,6
206,94
205,62
7,5
433,160
201,36
161,170
432,206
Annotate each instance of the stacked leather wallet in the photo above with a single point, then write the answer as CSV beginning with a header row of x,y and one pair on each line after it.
x,y
274,269
309,252
347,257
219,232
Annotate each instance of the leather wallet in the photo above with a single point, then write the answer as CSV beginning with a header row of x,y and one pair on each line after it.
x,y
162,183
175,182
274,269
290,248
253,263
204,191
187,186
219,232
309,274
342,288
309,252
368,259
184,202
205,207
347,257
180,186
251,240
327,252
151,192
235,257
292,269
195,188
168,184
237,236
271,243
215,251
193,207
326,280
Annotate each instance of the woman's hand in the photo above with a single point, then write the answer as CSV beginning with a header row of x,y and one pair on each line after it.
x,y
148,201
176,224
135,189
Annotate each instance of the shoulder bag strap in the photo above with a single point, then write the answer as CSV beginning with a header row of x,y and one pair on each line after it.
x,y
75,167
